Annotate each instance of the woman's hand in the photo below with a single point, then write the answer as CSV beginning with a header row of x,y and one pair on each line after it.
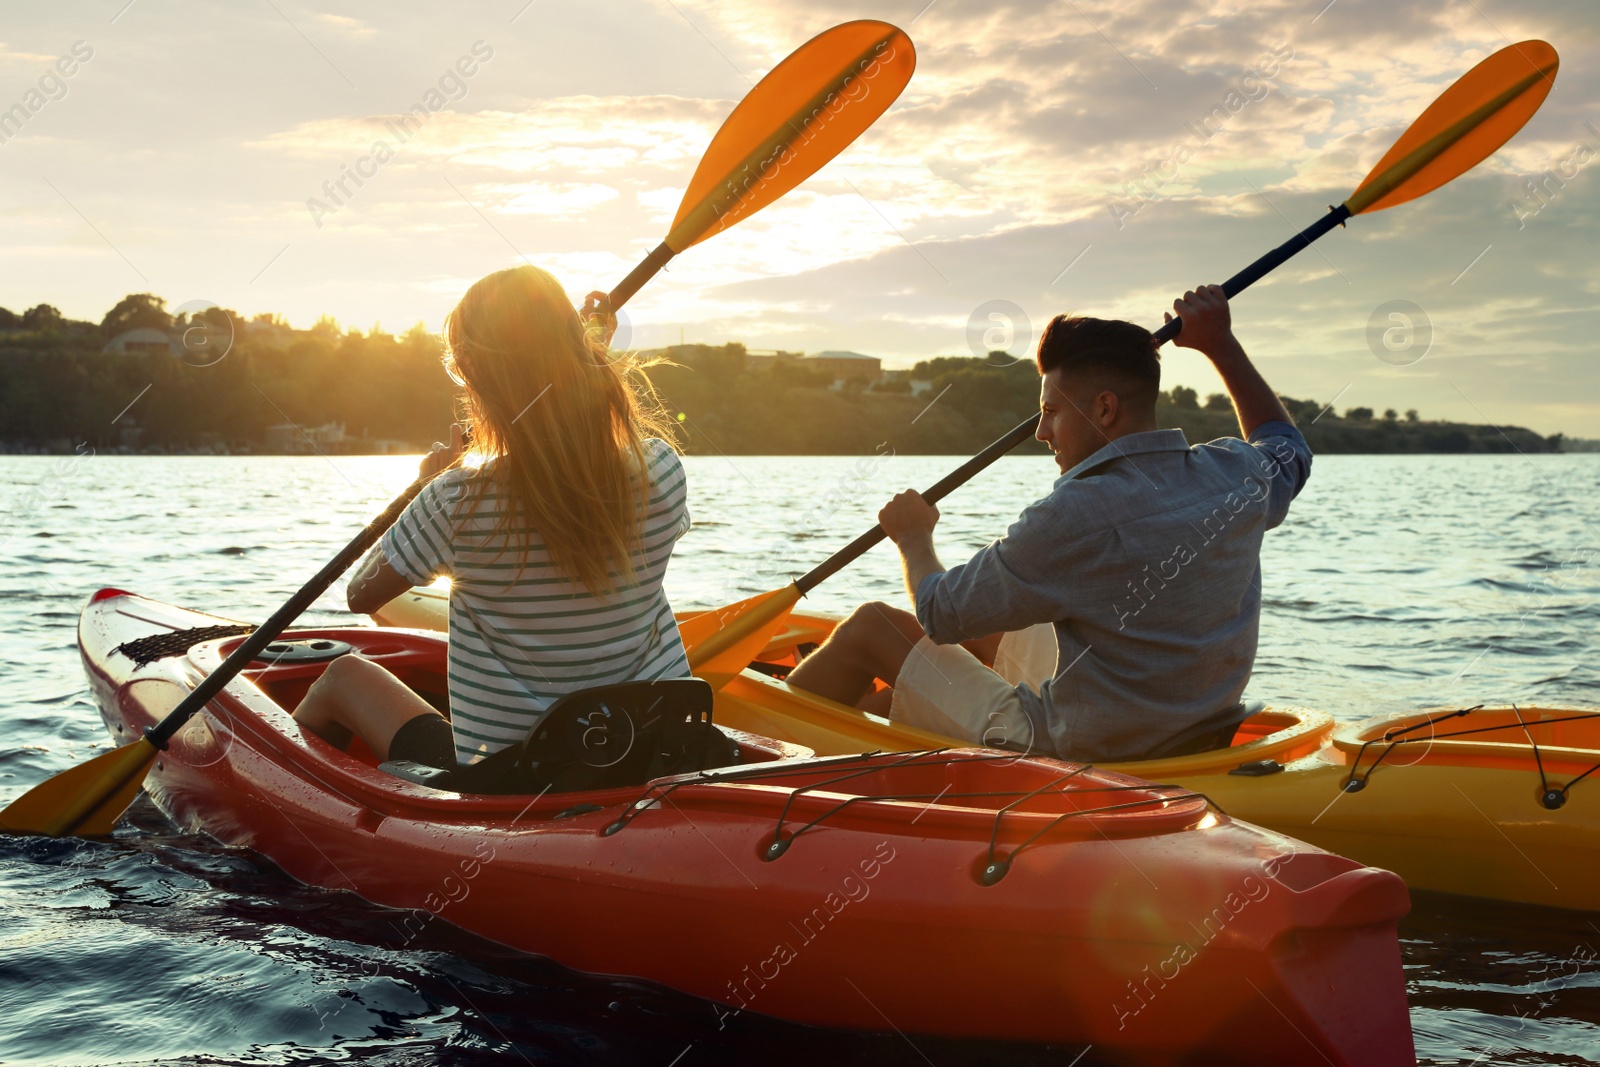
x,y
443,456
597,311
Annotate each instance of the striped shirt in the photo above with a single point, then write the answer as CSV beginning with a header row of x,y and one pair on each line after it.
x,y
520,638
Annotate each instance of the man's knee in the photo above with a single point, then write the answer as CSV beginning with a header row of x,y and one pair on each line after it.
x,y
876,621
881,635
868,614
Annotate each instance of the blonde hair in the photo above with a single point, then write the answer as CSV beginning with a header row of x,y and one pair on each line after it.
x,y
560,423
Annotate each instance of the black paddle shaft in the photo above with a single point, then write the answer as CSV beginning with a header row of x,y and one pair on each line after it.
x,y
268,632
1026,429
956,478
647,269
1266,264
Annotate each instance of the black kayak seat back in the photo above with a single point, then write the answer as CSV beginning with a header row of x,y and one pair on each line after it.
x,y
602,738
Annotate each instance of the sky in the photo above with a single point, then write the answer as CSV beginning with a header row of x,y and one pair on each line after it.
x,y
186,154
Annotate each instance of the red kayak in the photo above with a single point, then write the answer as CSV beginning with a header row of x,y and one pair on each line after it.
x,y
966,893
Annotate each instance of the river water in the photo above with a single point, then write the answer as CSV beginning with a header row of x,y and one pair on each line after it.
x,y
1398,582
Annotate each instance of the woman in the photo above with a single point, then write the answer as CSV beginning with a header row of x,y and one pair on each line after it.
x,y
556,545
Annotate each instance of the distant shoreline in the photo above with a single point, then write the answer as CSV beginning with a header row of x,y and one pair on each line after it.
x,y
319,392
10,449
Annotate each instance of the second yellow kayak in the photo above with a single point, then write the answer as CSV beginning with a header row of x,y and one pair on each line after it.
x,y
1499,802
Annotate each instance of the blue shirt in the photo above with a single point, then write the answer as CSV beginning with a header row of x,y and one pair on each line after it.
x,y
1146,557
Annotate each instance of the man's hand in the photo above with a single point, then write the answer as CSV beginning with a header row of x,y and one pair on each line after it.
x,y
909,521
1207,324
1208,328
597,313
908,517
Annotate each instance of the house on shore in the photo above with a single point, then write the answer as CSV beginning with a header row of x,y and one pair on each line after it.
x,y
292,440
845,366
142,339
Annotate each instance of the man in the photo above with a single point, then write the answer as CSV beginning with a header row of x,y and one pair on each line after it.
x,y
1144,558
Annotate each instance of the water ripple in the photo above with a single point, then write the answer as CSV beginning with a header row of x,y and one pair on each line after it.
x,y
1397,582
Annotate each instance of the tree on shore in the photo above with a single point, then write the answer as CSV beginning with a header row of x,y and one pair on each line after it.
x,y
43,317
136,311
57,388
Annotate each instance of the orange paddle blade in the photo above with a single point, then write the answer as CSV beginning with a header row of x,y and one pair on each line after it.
x,y
721,643
86,800
1469,121
803,113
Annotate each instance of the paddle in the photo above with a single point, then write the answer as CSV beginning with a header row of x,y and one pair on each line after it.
x,y
1470,120
803,113
1463,127
722,641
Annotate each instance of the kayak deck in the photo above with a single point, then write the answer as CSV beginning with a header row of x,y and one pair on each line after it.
x,y
428,608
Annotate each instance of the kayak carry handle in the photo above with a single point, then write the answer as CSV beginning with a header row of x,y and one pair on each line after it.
x,y
1365,896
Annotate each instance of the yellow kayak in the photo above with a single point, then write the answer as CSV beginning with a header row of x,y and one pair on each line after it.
x,y
1496,802
428,608
1499,802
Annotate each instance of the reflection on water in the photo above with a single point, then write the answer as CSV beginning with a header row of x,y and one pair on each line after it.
x,y
1398,582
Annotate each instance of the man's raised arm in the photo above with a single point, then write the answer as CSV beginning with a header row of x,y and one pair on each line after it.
x,y
1208,328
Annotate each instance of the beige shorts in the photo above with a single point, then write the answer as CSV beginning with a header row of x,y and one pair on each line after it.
x,y
946,690
1027,656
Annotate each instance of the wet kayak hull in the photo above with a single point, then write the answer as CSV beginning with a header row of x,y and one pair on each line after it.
x,y
1151,928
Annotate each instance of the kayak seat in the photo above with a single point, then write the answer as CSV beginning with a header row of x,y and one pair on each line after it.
x,y
608,737
1213,734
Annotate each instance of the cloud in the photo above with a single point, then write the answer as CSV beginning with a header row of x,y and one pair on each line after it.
x,y
1031,128
9,56
558,135
552,199
346,25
